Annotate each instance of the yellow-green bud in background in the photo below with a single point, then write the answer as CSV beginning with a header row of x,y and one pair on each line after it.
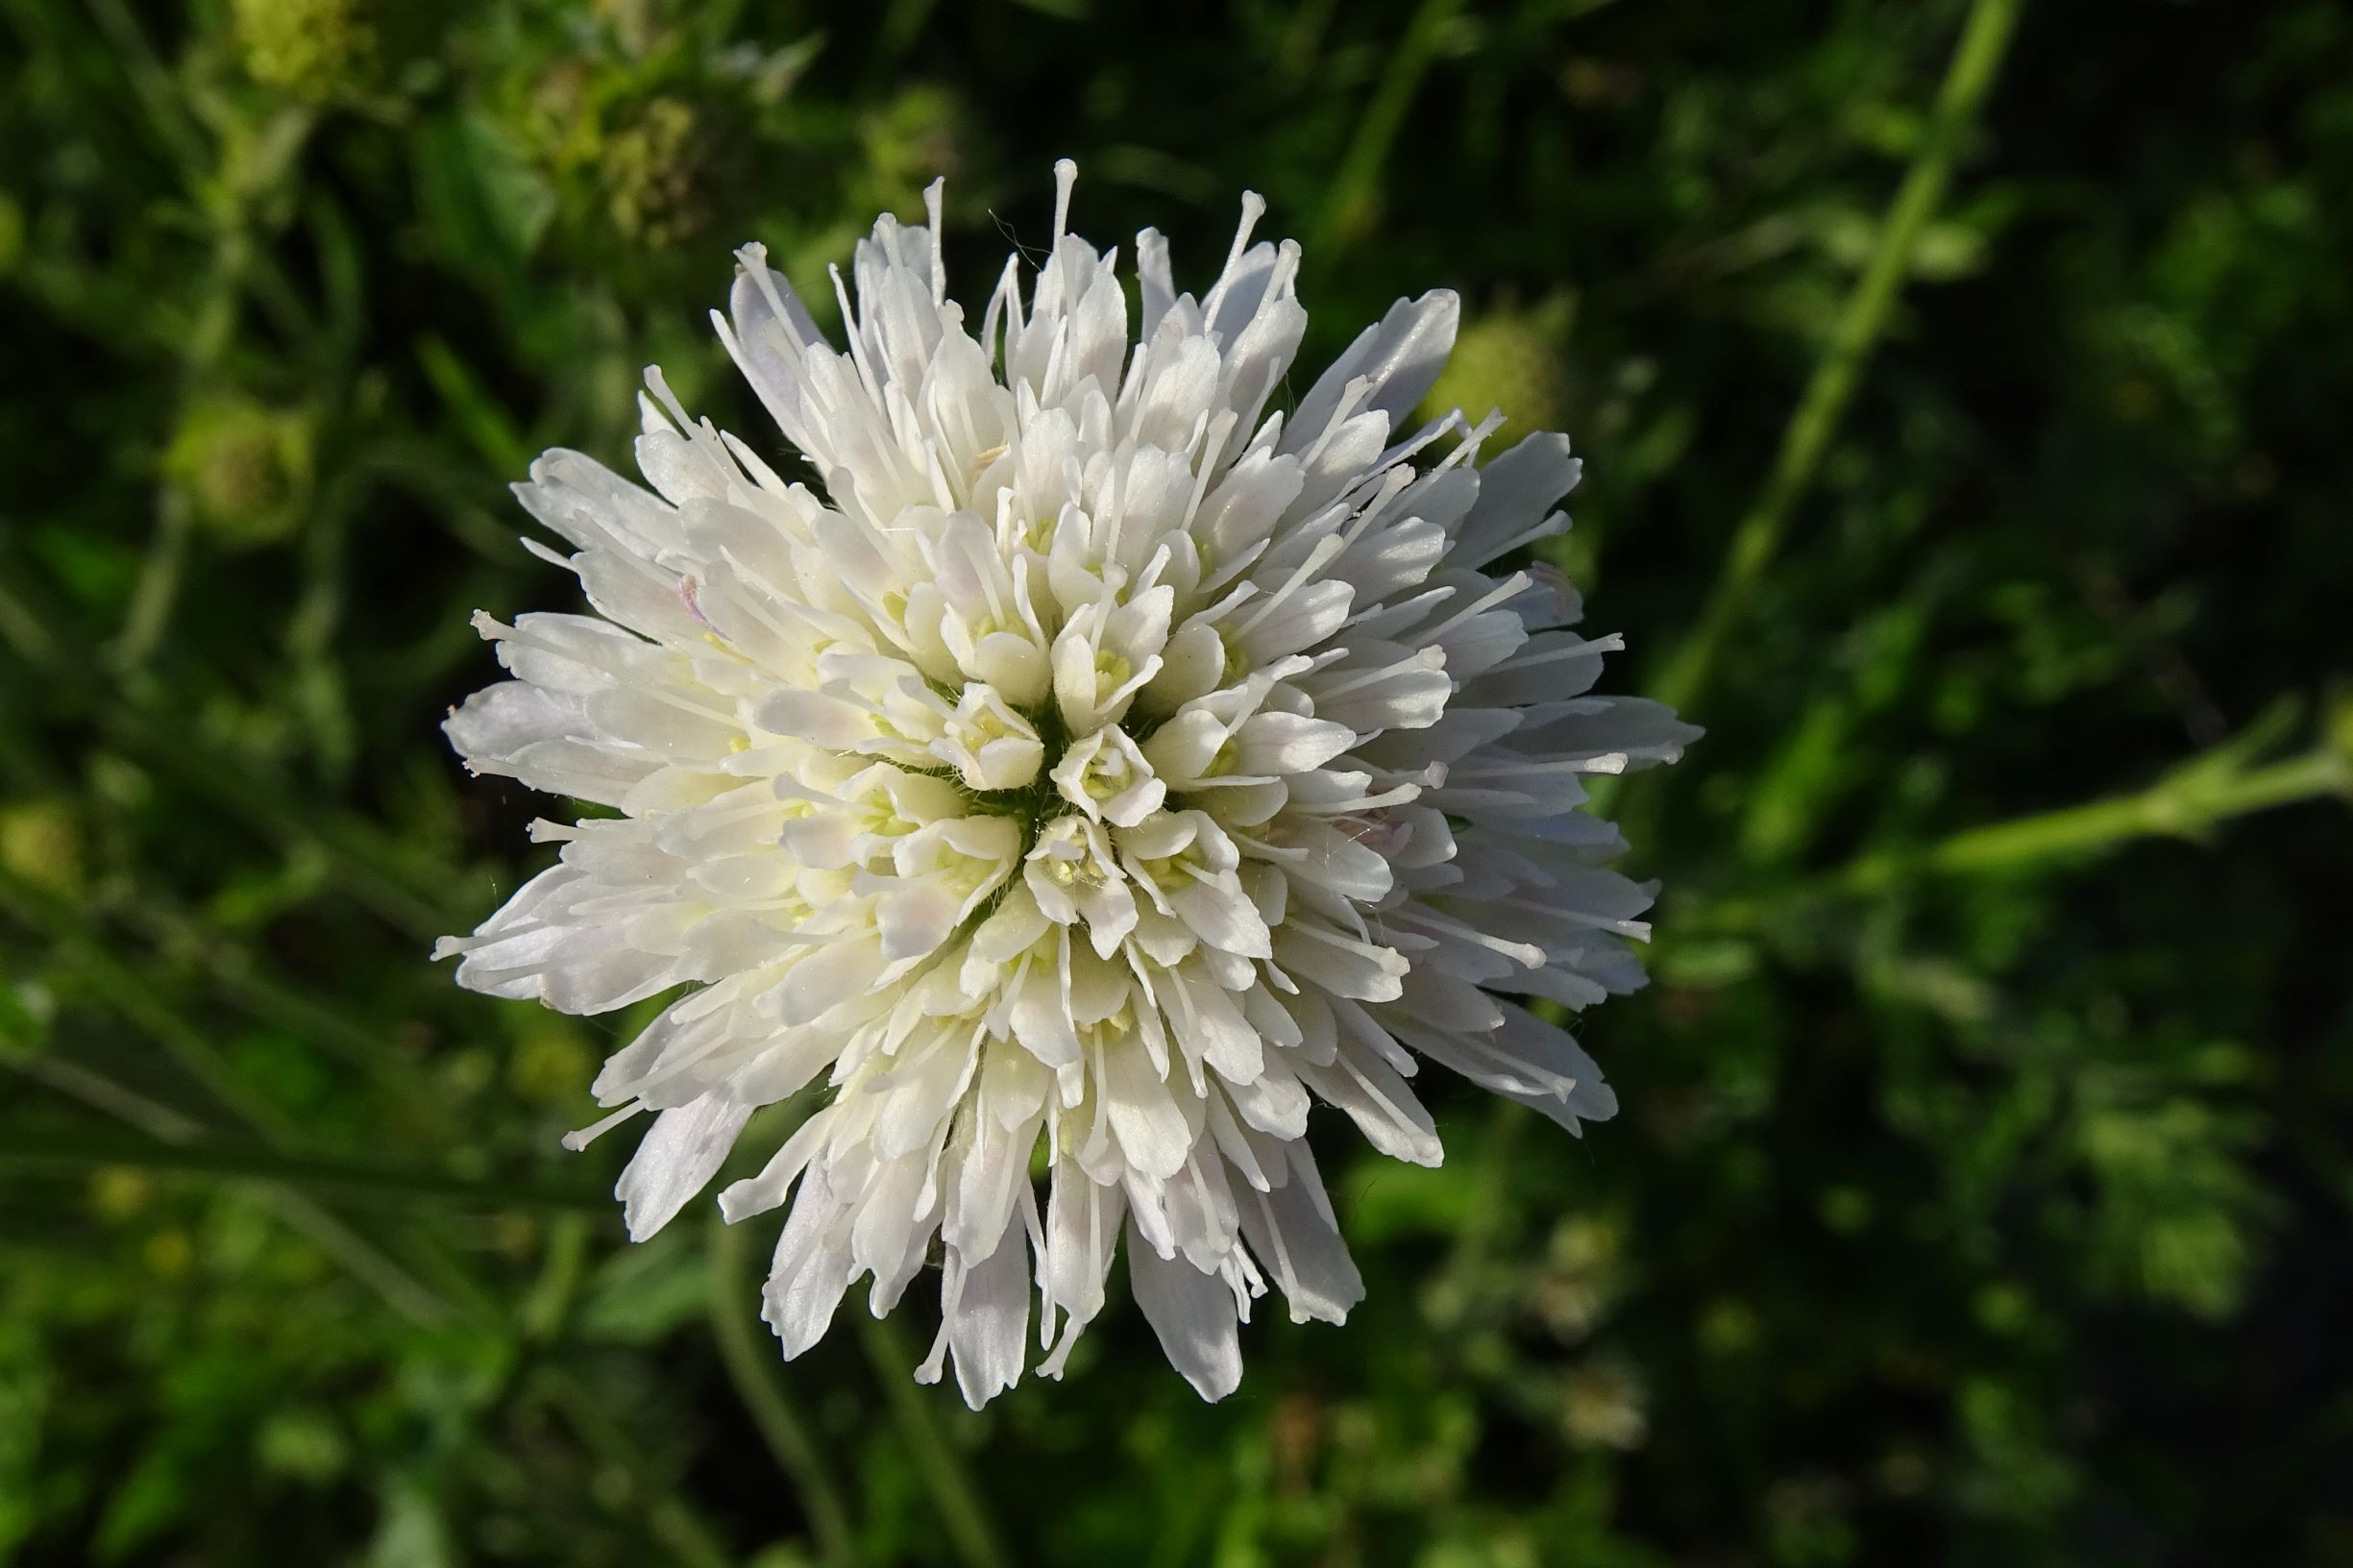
x,y
1579,1278
2339,722
11,232
309,49
550,1063
40,843
1510,357
652,169
244,467
916,133
1603,1405
117,1192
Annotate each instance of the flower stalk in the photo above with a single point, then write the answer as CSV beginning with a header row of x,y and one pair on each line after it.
x,y
753,1372
1976,63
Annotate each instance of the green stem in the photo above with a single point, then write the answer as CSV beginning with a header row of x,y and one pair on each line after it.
x,y
1976,62
98,1091
476,414
682,1533
319,691
336,1241
945,1475
124,990
152,84
753,1368
547,1306
1457,1288
2176,807
2184,804
21,629
157,588
364,863
1355,187
361,864
244,978
35,1152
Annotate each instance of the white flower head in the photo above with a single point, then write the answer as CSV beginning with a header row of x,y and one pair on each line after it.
x,y
1091,769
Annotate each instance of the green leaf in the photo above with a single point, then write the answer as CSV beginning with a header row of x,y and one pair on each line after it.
x,y
487,205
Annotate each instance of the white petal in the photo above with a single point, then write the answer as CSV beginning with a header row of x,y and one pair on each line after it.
x,y
1401,358
1144,1115
681,1151
811,1270
988,1329
1292,1231
1194,1315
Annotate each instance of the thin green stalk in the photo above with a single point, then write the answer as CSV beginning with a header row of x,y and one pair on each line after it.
x,y
682,1532
21,629
101,1093
753,1367
287,1180
945,1475
902,24
475,412
2176,807
359,1258
152,84
471,509
2187,804
1302,47
547,1307
1355,187
77,1155
157,589
1977,61
137,994
157,593
364,863
1451,1299
125,992
363,867
246,980
320,693
336,1241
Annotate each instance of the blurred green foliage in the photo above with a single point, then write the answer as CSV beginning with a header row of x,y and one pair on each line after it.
x,y
1983,1194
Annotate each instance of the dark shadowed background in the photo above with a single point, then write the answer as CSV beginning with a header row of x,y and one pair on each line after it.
x,y
1964,391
